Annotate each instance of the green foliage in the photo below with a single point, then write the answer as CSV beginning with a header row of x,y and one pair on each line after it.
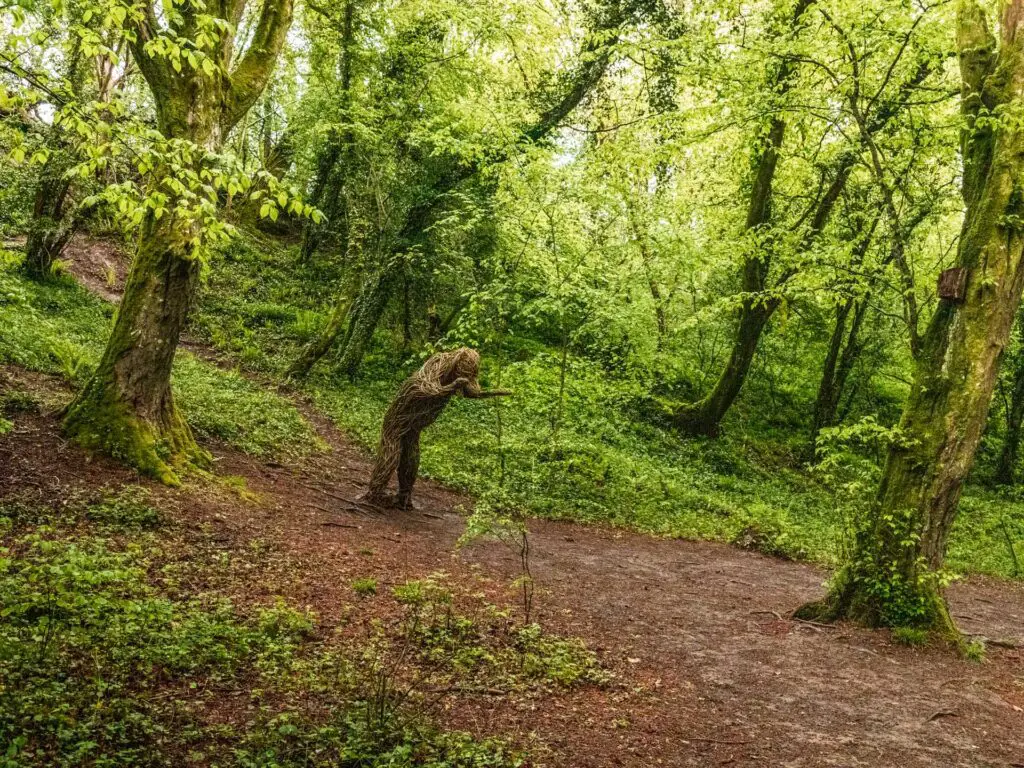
x,y
365,586
100,666
60,328
86,646
484,647
128,509
911,636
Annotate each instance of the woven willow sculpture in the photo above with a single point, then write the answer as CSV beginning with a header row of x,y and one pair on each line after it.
x,y
419,401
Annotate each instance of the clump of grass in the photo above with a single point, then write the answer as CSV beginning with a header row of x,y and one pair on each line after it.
x,y
128,509
365,587
911,636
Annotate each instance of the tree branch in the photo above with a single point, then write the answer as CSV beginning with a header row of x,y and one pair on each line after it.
x,y
250,77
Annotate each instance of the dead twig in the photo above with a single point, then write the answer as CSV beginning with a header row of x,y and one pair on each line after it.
x,y
736,742
468,689
813,623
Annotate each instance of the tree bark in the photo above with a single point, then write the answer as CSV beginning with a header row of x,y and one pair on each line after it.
x,y
844,348
1006,470
127,408
893,576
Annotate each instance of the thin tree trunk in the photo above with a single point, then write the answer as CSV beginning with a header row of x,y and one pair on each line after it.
x,y
705,417
51,228
322,343
336,156
369,307
893,576
1006,468
844,348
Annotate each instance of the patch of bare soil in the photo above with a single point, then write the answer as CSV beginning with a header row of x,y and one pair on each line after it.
x,y
100,265
709,671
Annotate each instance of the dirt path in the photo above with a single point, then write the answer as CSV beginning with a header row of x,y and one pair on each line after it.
x,y
709,672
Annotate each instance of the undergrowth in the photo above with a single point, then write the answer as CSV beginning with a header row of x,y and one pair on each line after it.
x,y
591,451
109,657
60,328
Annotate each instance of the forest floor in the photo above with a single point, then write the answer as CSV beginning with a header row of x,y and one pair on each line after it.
x,y
707,668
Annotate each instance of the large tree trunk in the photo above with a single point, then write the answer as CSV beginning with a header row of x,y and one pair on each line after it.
x,y
127,408
892,578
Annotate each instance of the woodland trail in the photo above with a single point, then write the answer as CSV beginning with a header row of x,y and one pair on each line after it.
x,y
708,669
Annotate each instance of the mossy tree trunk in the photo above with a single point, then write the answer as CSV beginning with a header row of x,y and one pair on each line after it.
x,y
893,577
335,158
127,407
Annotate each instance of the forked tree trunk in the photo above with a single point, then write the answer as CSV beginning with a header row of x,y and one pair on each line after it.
x,y
127,407
844,347
893,576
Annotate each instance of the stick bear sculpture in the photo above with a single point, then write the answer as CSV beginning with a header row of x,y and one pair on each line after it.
x,y
419,401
